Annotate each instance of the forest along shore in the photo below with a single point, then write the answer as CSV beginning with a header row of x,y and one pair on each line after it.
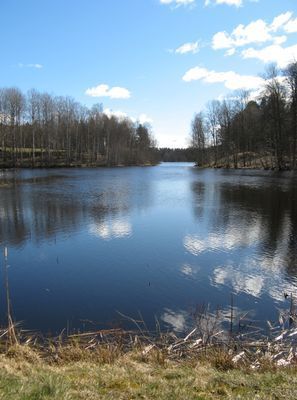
x,y
41,130
248,160
62,164
251,129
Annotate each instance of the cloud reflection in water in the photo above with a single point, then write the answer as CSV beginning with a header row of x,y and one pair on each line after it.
x,y
177,320
111,229
255,278
230,240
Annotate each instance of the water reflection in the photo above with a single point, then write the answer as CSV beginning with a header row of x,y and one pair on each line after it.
x,y
250,278
35,214
86,243
40,208
249,228
111,229
176,320
275,208
189,270
239,280
232,239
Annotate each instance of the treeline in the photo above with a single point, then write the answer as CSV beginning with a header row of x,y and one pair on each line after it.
x,y
176,155
240,132
39,129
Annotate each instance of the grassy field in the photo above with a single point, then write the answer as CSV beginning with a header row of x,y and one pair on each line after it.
x,y
26,375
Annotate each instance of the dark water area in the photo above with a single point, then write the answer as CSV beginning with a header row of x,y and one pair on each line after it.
x,y
85,244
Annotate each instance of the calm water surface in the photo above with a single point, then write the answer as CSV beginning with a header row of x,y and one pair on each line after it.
x,y
86,243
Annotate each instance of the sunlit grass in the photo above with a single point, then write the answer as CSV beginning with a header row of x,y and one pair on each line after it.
x,y
26,374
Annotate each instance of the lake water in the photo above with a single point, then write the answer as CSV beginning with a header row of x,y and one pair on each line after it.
x,y
85,244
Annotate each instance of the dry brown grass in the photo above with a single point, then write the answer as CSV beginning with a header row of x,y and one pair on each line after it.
x,y
130,377
207,363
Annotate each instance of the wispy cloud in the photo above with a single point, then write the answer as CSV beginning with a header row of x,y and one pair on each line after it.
x,y
178,2
188,48
230,52
103,90
36,66
230,79
236,3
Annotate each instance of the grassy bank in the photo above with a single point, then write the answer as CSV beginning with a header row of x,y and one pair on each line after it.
x,y
27,375
209,362
118,364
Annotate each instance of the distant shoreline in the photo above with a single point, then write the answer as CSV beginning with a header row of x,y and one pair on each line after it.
x,y
250,168
72,165
248,161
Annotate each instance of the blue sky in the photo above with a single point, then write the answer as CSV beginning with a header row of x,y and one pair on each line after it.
x,y
155,60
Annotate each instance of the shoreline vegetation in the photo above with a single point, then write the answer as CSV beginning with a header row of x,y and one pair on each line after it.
x,y
213,360
207,363
244,161
42,130
79,375
251,129
57,165
222,354
256,130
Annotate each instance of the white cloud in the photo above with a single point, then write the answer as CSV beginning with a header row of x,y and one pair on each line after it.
x,y
256,32
178,2
141,118
144,119
230,52
236,3
230,79
280,39
118,114
36,66
222,40
274,53
103,90
188,48
291,26
280,20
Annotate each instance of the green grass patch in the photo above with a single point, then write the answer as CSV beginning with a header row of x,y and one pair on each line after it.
x,y
127,378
